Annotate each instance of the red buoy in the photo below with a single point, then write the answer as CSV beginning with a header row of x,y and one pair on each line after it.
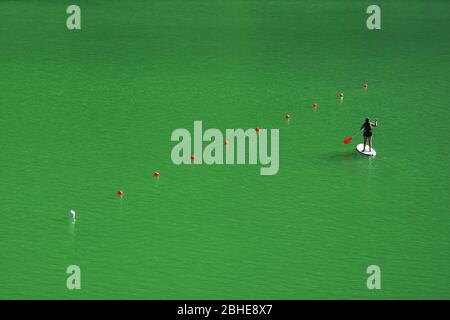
x,y
314,105
287,117
156,174
341,95
257,130
365,85
120,193
192,158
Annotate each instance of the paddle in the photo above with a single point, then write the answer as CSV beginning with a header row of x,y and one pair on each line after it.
x,y
349,139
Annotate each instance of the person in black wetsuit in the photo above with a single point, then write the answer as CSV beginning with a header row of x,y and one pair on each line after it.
x,y
367,126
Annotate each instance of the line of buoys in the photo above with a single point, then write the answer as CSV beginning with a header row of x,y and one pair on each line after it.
x,y
287,117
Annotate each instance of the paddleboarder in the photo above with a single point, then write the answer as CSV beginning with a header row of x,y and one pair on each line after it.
x,y
367,133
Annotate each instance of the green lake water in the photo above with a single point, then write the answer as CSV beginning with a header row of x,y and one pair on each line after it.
x,y
89,112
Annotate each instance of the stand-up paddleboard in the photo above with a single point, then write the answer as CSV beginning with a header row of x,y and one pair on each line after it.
x,y
360,148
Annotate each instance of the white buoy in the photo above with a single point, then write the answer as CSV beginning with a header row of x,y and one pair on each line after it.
x,y
72,214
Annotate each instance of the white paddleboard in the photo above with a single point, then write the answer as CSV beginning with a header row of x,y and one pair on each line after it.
x,y
360,148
